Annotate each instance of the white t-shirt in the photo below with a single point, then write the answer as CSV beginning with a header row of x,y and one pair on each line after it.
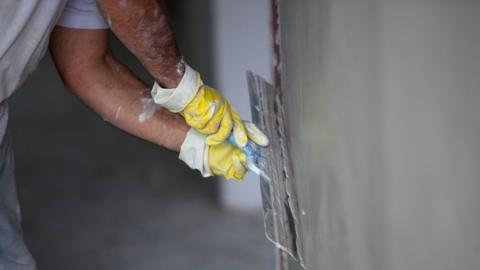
x,y
25,27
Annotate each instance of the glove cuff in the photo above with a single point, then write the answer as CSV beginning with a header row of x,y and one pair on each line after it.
x,y
175,99
194,152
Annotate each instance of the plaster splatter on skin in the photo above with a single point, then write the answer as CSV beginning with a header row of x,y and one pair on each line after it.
x,y
122,3
117,113
149,108
181,67
147,40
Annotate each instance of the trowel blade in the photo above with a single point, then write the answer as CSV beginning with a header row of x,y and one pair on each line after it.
x,y
280,207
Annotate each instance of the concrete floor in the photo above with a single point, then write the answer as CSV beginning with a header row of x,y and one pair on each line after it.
x,y
94,197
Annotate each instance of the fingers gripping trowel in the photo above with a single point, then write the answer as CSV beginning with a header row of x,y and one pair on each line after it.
x,y
280,207
252,151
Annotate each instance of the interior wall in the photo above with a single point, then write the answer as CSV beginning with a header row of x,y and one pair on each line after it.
x,y
382,101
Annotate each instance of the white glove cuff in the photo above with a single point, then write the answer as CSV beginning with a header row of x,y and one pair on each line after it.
x,y
176,99
194,152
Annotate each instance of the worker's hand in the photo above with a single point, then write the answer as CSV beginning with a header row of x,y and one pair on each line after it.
x,y
209,113
254,134
205,110
222,159
227,160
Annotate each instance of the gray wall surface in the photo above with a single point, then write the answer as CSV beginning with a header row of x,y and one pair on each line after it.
x,y
383,106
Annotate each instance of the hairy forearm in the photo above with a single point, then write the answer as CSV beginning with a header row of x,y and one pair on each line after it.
x,y
111,90
144,27
116,95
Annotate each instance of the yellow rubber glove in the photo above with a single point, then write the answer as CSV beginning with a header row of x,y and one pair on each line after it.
x,y
255,134
227,160
221,159
211,114
203,109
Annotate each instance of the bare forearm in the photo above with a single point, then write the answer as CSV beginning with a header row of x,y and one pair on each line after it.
x,y
143,26
117,96
112,90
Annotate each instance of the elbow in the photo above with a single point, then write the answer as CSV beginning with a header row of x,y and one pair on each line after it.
x,y
74,77
79,56
80,75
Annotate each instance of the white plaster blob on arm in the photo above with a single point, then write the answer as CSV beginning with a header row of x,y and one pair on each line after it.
x,y
148,109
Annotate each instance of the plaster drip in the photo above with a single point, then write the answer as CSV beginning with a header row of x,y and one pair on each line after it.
x,y
117,113
148,109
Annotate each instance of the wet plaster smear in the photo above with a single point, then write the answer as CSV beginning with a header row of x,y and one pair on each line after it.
x,y
279,196
382,101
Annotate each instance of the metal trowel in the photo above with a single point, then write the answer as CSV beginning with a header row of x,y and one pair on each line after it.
x,y
280,205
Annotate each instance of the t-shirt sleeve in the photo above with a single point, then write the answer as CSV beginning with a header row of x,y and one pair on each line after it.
x,y
82,14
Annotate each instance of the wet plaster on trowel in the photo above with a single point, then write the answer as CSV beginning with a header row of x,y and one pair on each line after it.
x,y
281,212
281,160
149,107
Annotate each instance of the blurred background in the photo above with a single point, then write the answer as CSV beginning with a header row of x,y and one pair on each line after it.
x,y
94,197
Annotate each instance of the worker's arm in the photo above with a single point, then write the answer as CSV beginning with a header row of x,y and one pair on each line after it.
x,y
143,26
90,71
